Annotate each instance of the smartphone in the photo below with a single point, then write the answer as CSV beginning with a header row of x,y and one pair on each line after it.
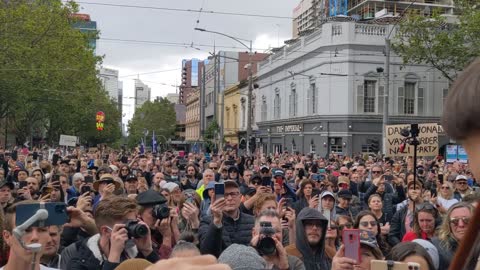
x,y
288,202
229,162
391,265
46,190
85,189
389,178
266,181
55,159
351,240
189,198
88,179
440,178
219,190
316,177
22,184
57,213
55,178
14,155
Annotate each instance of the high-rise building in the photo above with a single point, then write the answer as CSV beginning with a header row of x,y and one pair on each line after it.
x,y
109,79
86,25
367,9
142,93
173,98
191,70
307,15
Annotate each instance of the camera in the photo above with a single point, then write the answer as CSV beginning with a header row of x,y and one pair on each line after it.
x,y
136,230
161,211
266,244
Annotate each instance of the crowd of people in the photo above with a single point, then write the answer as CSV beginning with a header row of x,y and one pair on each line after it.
x,y
282,211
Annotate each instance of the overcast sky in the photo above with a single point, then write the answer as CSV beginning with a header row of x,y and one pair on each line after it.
x,y
153,25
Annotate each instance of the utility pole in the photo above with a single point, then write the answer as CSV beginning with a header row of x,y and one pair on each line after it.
x,y
249,97
202,103
222,106
386,94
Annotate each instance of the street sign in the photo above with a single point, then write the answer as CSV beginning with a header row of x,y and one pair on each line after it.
x,y
67,140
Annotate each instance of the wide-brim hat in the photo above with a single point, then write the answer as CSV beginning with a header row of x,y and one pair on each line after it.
x,y
107,177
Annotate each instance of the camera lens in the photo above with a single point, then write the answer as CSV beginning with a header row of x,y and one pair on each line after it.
x,y
161,211
136,230
266,246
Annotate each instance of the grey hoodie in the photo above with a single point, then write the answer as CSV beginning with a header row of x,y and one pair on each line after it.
x,y
313,260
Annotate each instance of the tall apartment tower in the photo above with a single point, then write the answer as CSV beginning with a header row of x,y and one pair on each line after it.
x,y
191,78
142,93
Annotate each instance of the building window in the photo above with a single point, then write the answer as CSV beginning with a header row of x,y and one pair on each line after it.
x,y
409,99
313,148
276,105
312,98
264,109
293,100
369,96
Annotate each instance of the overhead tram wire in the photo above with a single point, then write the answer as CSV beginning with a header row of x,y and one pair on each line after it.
x,y
189,10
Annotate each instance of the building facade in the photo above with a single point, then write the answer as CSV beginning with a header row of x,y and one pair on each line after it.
x,y
110,82
232,114
87,26
325,92
367,9
191,78
192,123
173,98
142,93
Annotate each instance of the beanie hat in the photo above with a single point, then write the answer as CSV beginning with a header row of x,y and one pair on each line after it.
x,y
240,257
431,249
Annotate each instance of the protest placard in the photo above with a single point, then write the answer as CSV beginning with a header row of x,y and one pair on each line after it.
x,y
428,138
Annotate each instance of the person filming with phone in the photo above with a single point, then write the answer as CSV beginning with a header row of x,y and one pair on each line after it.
x,y
227,224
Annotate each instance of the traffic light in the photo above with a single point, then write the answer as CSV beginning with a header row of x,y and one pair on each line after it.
x,y
252,144
243,144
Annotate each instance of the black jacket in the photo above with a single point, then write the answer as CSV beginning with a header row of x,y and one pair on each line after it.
x,y
446,251
389,200
215,240
397,226
313,260
86,255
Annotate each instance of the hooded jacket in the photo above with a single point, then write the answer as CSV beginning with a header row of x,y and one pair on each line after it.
x,y
313,260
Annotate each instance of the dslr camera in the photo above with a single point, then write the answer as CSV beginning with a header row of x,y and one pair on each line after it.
x,y
136,230
266,244
161,211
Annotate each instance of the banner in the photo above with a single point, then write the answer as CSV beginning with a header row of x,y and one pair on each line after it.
x,y
462,154
451,153
66,140
428,138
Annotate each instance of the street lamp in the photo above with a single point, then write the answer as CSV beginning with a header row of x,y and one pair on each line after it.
x,y
250,78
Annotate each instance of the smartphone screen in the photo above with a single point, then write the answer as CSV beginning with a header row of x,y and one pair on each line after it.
x,y
388,178
22,184
440,178
85,189
266,181
219,190
351,240
88,179
57,213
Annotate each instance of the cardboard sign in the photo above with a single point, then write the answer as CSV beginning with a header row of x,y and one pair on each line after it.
x,y
428,138
66,140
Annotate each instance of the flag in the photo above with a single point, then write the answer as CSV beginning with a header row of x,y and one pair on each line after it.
x,y
142,147
154,143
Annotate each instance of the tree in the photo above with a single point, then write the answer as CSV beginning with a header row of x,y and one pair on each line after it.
x,y
48,78
158,116
435,40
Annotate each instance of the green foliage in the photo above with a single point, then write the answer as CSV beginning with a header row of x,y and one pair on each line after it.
x,y
158,116
212,130
447,46
48,75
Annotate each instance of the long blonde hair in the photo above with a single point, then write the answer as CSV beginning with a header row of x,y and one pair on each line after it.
x,y
446,229
439,189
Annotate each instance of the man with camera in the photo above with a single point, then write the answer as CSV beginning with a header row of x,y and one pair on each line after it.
x,y
121,237
267,238
155,213
227,224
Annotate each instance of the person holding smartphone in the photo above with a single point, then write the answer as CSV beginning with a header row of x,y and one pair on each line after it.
x,y
227,224
369,251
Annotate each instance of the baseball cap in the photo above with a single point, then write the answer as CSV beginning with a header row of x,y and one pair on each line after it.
x,y
345,194
327,193
264,167
343,180
7,183
279,173
461,177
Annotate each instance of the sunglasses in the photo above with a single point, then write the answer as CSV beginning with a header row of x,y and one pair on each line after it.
x,y
447,187
462,183
345,174
213,168
333,227
456,221
425,206
346,225
373,223
376,172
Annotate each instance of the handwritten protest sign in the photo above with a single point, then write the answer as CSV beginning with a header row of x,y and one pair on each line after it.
x,y
428,138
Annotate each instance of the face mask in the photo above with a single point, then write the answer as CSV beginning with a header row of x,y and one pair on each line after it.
x,y
174,177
